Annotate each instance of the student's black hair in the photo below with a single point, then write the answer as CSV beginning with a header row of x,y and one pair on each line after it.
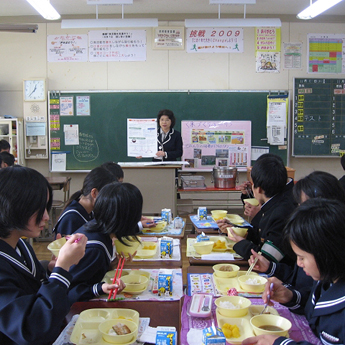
x,y
117,210
269,173
168,113
319,184
318,227
96,178
342,161
4,145
8,158
114,168
23,192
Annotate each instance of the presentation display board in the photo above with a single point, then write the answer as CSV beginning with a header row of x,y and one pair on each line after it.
x,y
88,128
319,117
216,143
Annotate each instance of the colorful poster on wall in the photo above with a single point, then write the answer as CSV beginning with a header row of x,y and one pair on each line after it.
x,y
292,55
66,106
325,53
83,105
216,143
214,40
67,48
267,62
168,38
117,45
267,39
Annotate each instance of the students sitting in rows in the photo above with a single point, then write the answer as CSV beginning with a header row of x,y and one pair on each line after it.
x,y
316,233
318,184
269,178
32,307
79,208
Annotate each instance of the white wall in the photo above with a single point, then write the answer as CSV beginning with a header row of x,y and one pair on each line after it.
x,y
24,56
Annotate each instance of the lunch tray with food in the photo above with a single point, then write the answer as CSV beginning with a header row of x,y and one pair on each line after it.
x,y
223,285
86,329
243,323
147,249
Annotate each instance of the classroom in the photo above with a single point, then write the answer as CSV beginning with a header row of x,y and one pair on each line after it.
x,y
174,79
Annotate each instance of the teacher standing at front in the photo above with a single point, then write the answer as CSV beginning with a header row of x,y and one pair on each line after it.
x,y
168,139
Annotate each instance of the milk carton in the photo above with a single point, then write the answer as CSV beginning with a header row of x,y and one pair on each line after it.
x,y
166,336
166,215
213,335
166,247
165,282
202,213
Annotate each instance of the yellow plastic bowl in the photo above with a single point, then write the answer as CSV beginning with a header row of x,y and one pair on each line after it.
x,y
147,249
238,231
160,226
135,282
242,302
252,201
218,214
226,274
109,276
141,273
204,247
129,249
56,245
270,320
252,287
107,325
235,219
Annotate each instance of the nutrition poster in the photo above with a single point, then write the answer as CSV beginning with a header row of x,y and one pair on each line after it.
x,y
216,143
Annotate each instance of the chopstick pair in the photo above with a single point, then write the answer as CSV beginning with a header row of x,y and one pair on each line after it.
x,y
119,266
253,264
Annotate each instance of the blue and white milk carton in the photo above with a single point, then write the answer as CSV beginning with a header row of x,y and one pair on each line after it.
x,y
166,336
213,335
202,213
165,282
166,215
166,247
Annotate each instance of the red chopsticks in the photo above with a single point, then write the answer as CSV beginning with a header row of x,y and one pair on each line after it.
x,y
121,263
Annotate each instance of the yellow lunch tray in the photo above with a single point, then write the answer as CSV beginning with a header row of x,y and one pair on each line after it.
x,y
144,250
86,330
109,276
228,243
158,228
224,284
243,323
235,219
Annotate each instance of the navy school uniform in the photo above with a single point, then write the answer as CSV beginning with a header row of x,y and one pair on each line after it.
x,y
32,307
325,312
172,145
72,218
89,272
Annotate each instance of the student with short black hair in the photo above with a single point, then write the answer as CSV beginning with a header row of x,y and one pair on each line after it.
x,y
342,179
115,169
117,211
7,159
79,208
4,146
316,232
33,307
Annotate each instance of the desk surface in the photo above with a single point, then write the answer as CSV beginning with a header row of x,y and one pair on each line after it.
x,y
57,182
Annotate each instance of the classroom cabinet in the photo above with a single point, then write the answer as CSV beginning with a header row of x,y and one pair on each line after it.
x,y
12,131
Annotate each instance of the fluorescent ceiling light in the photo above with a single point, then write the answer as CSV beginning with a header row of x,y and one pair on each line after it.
x,y
45,9
233,22
109,23
232,2
29,28
316,8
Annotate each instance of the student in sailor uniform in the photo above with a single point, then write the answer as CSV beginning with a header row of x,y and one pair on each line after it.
x,y
32,306
78,209
117,211
266,234
318,184
316,232
169,140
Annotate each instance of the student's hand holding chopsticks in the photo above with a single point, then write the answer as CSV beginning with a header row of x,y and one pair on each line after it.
x,y
262,263
119,285
72,251
223,224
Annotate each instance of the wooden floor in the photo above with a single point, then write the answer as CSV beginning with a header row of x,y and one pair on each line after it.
x,y
43,253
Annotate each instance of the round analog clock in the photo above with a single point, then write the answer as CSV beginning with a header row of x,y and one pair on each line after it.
x,y
34,90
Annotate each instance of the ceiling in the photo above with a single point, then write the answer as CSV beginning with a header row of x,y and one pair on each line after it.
x,y
169,10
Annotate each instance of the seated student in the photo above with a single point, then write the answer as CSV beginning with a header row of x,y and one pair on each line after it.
x,y
4,146
318,184
79,207
269,178
342,179
117,211
116,170
316,232
7,159
32,306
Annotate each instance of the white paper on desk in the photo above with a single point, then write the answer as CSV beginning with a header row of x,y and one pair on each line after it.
x,y
218,256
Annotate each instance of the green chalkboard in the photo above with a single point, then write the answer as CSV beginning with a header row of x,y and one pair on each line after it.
x,y
102,134
319,117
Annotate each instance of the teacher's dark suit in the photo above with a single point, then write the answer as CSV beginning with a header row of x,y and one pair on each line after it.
x,y
172,145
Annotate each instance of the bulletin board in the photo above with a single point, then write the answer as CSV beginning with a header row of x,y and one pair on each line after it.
x,y
319,117
216,143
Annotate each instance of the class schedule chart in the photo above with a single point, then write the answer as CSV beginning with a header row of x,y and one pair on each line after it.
x,y
319,117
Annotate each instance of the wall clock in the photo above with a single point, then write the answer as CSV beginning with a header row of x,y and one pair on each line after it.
x,y
34,90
